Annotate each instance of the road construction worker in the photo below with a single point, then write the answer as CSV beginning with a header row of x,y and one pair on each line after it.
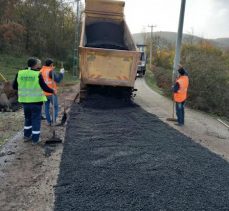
x,y
30,85
48,73
180,94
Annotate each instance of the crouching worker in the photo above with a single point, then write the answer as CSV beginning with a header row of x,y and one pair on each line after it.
x,y
180,90
30,85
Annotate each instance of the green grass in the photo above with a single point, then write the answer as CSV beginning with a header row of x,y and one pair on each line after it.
x,y
151,82
69,79
10,64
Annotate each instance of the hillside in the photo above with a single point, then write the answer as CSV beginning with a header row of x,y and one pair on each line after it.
x,y
222,42
170,37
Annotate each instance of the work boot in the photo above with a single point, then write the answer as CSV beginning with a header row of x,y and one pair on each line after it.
x,y
48,123
27,139
56,124
36,142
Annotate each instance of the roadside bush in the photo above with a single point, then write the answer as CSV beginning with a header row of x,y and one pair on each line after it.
x,y
209,78
164,79
164,58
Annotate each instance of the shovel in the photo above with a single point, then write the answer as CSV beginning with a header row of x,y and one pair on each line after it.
x,y
64,117
172,119
3,78
54,139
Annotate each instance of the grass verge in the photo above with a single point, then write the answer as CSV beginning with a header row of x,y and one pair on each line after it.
x,y
10,64
151,82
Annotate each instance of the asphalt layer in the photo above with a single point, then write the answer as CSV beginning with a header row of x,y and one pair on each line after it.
x,y
119,157
105,35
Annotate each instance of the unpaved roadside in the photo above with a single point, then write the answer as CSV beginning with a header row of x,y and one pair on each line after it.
x,y
202,128
10,123
29,173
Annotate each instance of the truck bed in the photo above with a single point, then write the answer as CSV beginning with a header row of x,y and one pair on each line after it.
x,y
108,55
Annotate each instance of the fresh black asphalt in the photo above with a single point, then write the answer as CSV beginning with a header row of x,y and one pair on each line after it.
x,y
119,157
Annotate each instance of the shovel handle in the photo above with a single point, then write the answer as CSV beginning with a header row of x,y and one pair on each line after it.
x,y
4,79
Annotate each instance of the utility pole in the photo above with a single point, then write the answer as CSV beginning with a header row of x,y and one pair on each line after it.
x,y
179,40
151,43
76,41
178,49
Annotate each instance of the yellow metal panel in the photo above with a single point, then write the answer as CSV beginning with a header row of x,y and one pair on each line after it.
x,y
105,7
103,66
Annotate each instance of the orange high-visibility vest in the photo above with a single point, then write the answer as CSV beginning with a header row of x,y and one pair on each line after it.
x,y
45,70
181,94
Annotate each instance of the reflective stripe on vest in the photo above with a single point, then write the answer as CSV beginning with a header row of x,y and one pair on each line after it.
x,y
181,94
45,70
29,90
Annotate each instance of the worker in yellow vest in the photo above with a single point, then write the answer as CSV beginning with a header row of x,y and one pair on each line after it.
x,y
30,85
48,73
180,90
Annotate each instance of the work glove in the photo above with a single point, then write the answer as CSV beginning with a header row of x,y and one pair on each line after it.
x,y
62,70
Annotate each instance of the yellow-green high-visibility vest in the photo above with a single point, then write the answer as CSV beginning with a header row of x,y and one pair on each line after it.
x,y
29,90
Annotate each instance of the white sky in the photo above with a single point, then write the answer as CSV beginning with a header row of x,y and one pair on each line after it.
x,y
204,18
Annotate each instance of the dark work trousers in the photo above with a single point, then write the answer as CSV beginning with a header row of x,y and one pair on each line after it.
x,y
180,112
32,113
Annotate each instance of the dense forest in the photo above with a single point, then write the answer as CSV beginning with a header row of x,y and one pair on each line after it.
x,y
42,28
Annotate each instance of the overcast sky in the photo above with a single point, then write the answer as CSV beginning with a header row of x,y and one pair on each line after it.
x,y
204,18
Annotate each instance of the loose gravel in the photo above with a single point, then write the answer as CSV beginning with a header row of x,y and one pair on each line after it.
x,y
119,157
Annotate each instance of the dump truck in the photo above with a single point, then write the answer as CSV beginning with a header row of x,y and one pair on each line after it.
x,y
108,55
143,60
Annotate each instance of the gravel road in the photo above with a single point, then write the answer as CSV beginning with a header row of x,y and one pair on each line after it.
x,y
201,127
117,156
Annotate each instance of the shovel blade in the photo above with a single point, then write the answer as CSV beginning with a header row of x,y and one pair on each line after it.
x,y
64,118
53,141
172,119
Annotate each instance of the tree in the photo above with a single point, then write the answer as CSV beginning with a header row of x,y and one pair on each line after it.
x,y
37,27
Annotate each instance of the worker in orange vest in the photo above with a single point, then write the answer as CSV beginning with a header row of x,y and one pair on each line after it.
x,y
180,90
47,72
